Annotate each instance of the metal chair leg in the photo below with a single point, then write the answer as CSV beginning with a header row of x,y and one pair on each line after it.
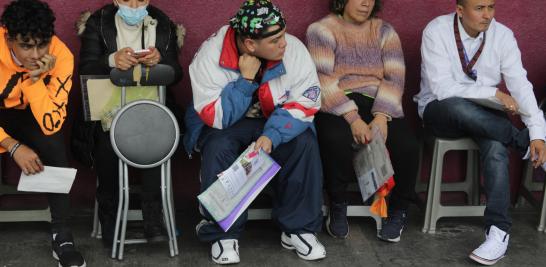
x,y
165,211
125,210
170,206
116,241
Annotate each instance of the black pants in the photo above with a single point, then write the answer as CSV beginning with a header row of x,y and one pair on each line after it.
x,y
22,126
335,139
107,169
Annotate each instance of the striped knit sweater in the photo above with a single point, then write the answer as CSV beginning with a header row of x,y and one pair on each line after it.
x,y
365,58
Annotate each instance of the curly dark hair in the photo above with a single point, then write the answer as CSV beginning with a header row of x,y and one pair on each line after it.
x,y
339,5
31,19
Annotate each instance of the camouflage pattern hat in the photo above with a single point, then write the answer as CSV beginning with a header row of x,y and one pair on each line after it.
x,y
255,17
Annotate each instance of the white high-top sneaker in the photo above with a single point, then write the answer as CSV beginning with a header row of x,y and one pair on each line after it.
x,y
494,247
225,251
306,245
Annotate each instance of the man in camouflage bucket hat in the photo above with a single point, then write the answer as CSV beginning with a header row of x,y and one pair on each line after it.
x,y
252,82
255,17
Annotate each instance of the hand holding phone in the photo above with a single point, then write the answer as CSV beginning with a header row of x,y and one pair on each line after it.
x,y
141,53
151,58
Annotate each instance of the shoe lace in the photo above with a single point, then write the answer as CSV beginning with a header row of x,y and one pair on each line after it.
x,y
339,209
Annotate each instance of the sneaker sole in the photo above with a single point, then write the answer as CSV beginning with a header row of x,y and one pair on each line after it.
x,y
307,258
331,234
202,223
483,261
392,240
225,262
56,257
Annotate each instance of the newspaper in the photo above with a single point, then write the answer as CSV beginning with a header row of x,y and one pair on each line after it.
x,y
228,197
372,165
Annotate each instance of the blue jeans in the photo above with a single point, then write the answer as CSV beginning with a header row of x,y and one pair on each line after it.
x,y
493,132
297,188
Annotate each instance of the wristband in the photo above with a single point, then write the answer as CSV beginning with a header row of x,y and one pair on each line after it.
x,y
13,149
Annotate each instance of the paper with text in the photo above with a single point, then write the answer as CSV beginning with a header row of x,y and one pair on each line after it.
x,y
228,197
50,180
372,165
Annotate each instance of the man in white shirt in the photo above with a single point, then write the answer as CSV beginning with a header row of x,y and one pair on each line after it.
x,y
464,56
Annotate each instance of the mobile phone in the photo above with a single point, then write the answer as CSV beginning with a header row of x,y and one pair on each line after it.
x,y
141,53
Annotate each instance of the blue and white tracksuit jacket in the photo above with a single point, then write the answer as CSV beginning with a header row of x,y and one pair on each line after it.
x,y
289,94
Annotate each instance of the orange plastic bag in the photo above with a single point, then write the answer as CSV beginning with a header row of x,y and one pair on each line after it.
x,y
379,205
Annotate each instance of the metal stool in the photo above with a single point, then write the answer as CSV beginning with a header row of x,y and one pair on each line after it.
x,y
434,209
144,134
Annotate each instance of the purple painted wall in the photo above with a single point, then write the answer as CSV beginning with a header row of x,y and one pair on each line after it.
x,y
409,17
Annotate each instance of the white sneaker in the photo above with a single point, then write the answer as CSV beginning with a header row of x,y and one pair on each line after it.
x,y
494,247
306,245
225,251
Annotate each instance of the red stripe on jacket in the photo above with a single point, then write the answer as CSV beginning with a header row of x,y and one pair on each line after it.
x,y
295,105
207,113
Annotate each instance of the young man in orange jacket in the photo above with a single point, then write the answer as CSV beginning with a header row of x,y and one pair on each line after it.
x,y
35,79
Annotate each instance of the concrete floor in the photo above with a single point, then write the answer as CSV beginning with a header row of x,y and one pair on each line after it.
x,y
27,244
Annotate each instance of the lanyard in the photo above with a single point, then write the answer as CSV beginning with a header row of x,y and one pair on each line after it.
x,y
465,63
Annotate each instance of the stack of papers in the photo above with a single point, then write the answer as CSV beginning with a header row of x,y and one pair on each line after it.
x,y
228,197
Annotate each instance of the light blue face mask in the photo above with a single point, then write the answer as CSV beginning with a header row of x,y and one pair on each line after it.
x,y
132,16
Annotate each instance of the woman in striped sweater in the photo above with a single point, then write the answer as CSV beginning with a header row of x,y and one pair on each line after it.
x,y
361,69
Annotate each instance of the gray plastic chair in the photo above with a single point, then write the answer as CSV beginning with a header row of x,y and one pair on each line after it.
x,y
434,209
528,186
542,223
144,134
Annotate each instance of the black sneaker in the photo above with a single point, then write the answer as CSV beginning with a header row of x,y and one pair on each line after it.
x,y
336,224
107,219
155,233
64,250
393,225
152,215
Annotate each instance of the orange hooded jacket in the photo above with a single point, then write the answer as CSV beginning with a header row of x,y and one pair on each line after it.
x,y
47,97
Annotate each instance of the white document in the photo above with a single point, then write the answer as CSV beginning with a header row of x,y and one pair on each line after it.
x,y
50,180
372,165
493,103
